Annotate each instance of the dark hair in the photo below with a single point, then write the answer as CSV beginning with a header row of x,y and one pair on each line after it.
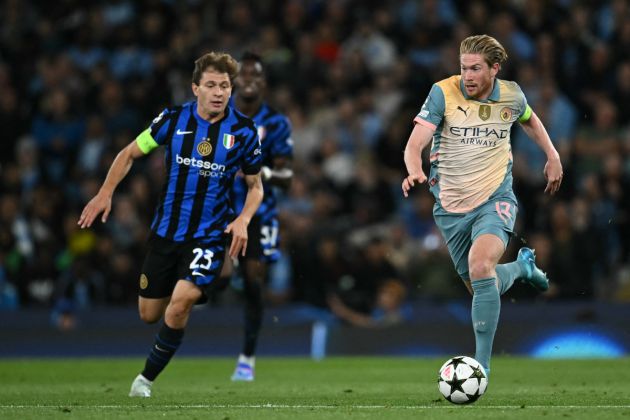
x,y
254,58
219,61
251,56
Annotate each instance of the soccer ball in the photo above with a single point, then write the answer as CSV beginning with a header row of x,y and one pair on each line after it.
x,y
462,380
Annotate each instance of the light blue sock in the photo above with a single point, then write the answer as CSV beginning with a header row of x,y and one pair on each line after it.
x,y
507,273
486,305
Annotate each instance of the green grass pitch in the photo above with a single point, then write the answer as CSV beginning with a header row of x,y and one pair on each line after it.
x,y
299,388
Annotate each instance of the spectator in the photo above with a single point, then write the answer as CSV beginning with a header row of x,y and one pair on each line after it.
x,y
74,93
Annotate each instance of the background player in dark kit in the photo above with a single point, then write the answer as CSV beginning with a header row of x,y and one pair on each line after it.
x,y
274,132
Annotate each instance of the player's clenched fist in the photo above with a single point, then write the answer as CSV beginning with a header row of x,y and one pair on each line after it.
x,y
411,180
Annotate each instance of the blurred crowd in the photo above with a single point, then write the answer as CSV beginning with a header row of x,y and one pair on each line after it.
x,y
79,80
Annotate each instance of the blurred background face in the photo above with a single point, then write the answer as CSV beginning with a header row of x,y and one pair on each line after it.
x,y
250,81
477,76
213,93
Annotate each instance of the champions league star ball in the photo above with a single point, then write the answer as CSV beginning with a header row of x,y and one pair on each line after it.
x,y
462,380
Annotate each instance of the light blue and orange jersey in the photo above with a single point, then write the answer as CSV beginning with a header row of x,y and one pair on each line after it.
x,y
471,155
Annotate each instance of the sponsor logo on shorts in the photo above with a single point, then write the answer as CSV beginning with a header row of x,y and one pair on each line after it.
x,y
144,281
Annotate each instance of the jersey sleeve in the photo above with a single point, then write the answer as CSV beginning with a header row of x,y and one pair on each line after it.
x,y
432,111
252,156
280,138
524,110
155,135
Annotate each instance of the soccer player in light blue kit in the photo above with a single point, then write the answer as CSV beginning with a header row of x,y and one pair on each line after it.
x,y
469,118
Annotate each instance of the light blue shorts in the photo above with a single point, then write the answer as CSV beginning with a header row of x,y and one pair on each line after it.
x,y
496,216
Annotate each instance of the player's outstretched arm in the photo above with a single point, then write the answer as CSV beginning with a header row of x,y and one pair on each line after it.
x,y
535,129
418,139
238,227
102,201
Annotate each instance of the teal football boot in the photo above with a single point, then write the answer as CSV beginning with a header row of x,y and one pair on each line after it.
x,y
535,276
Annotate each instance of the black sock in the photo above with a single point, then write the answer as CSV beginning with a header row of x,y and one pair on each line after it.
x,y
253,316
167,340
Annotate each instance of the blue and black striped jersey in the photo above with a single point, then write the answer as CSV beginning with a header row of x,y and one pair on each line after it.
x,y
201,161
274,132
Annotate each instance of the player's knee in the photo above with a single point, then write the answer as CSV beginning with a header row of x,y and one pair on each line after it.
x,y
150,313
253,289
149,317
227,268
481,269
180,308
255,272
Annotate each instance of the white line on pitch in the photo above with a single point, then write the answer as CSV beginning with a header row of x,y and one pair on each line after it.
x,y
299,407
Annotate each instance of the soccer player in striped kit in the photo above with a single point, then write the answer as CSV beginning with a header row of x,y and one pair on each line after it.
x,y
274,132
206,142
469,118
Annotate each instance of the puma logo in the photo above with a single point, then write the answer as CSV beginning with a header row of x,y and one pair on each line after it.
x,y
465,111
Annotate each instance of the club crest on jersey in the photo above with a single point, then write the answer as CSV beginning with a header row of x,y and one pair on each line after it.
x,y
484,112
204,148
228,141
144,281
262,132
506,114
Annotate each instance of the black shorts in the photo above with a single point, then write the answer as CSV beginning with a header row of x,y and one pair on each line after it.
x,y
198,260
263,242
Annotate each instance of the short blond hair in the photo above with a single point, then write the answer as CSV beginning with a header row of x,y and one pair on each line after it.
x,y
490,48
219,61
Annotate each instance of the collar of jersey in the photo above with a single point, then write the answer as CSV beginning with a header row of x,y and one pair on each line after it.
x,y
206,122
494,95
